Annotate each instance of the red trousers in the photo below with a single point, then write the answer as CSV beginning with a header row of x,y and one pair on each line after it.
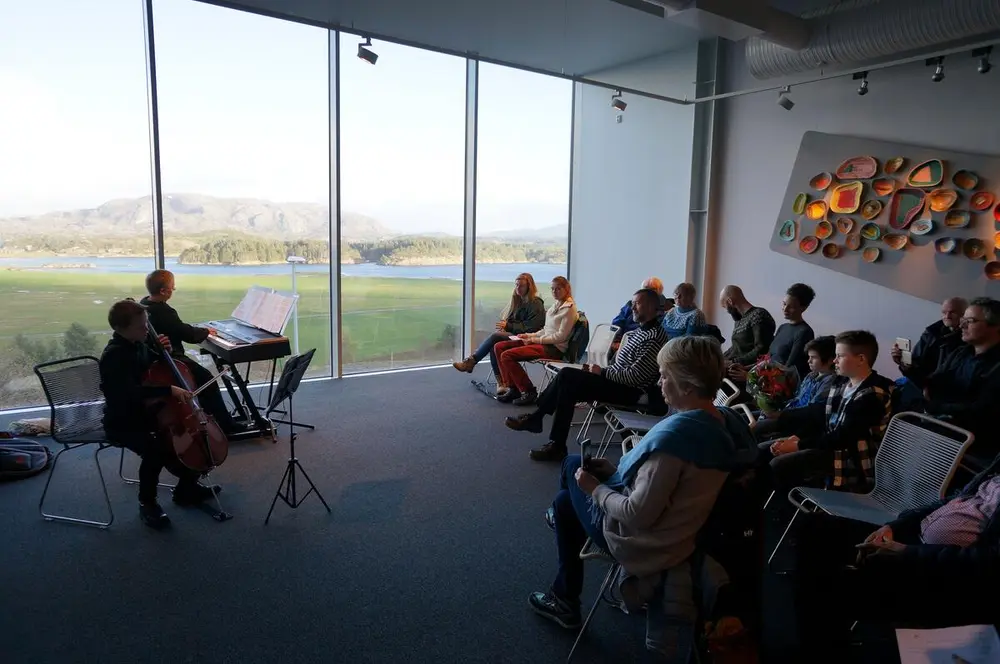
x,y
509,356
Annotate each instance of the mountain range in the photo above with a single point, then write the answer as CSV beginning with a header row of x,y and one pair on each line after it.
x,y
196,214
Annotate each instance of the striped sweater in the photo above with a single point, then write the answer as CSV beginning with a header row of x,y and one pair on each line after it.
x,y
635,363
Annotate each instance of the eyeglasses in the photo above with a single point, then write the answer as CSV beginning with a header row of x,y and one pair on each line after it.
x,y
970,321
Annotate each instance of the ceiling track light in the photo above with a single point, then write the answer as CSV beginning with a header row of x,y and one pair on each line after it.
x,y
938,64
617,102
863,77
984,59
365,53
784,100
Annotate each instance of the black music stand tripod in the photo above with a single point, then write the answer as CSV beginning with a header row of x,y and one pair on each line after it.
x,y
291,376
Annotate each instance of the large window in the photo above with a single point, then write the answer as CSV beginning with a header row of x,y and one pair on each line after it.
x,y
244,136
75,212
522,195
402,151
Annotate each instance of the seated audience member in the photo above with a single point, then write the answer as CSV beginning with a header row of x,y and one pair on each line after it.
x,y
551,342
625,321
934,566
624,382
161,285
753,332
524,313
647,512
813,388
685,314
838,438
966,388
789,344
935,344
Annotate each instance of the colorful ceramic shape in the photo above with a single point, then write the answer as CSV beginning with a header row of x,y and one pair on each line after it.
x,y
945,245
871,231
941,200
845,198
808,244
894,164
996,241
974,248
966,180
871,254
928,174
858,168
921,226
824,229
896,240
845,225
799,204
996,213
906,205
957,219
816,210
883,187
992,270
871,209
853,241
831,250
821,182
787,230
982,200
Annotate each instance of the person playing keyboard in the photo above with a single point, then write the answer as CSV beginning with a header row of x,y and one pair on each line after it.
x,y
161,284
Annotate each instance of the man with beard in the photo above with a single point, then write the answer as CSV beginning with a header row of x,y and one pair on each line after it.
x,y
753,332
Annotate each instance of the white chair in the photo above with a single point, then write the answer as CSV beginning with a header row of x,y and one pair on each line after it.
x,y
591,551
744,410
727,394
914,465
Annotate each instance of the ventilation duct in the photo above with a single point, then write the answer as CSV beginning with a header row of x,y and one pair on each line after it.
x,y
878,30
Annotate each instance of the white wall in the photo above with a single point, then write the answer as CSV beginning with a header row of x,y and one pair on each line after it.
x,y
759,141
631,184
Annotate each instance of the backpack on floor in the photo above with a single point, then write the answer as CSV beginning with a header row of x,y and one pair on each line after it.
x,y
22,458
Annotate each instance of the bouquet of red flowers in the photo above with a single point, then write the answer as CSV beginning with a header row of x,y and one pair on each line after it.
x,y
772,385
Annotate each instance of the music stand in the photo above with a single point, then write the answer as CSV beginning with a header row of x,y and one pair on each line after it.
x,y
291,376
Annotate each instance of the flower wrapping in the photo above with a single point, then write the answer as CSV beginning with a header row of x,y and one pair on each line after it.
x,y
772,385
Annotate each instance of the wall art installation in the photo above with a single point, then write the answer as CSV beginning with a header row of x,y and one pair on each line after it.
x,y
924,221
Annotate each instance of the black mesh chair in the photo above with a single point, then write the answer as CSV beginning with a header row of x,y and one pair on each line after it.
x,y
76,403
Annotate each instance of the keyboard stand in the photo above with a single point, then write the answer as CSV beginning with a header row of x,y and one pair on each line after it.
x,y
243,402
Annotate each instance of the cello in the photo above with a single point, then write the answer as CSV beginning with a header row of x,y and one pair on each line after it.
x,y
191,434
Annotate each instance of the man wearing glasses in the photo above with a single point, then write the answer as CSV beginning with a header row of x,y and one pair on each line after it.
x,y
965,389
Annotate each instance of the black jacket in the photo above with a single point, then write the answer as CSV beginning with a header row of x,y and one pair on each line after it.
x,y
966,389
165,320
982,559
930,352
528,317
123,365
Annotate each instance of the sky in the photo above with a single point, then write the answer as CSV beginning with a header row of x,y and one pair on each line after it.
x,y
243,107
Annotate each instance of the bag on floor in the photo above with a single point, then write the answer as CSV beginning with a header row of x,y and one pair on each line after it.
x,y
22,458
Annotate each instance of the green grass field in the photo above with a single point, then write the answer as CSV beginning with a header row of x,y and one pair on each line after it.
x,y
387,322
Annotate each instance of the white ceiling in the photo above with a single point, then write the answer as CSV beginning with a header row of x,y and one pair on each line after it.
x,y
571,37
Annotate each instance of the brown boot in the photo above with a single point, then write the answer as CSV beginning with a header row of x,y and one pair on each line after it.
x,y
466,365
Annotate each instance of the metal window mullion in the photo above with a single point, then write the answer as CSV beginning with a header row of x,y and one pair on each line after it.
x,y
469,245
336,327
153,106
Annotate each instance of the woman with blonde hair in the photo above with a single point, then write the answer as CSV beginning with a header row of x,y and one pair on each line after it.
x,y
523,314
551,342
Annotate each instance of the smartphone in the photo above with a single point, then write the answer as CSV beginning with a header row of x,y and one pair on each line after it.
x,y
585,455
903,344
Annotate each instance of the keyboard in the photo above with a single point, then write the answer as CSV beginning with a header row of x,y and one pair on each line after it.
x,y
235,342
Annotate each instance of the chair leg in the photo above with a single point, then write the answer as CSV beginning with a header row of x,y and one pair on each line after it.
x,y
612,572
770,560
104,487
768,502
132,480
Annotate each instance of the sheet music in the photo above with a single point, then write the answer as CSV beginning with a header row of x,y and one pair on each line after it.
x,y
266,309
976,644
251,303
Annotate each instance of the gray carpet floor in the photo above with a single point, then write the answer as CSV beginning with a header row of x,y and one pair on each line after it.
x,y
434,542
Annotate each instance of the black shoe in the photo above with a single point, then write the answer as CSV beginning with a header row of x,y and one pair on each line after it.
x,y
509,395
527,422
549,606
526,399
550,451
550,518
153,515
194,494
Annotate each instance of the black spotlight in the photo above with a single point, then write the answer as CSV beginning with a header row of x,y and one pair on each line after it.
x,y
938,64
617,102
984,59
365,53
863,77
784,100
